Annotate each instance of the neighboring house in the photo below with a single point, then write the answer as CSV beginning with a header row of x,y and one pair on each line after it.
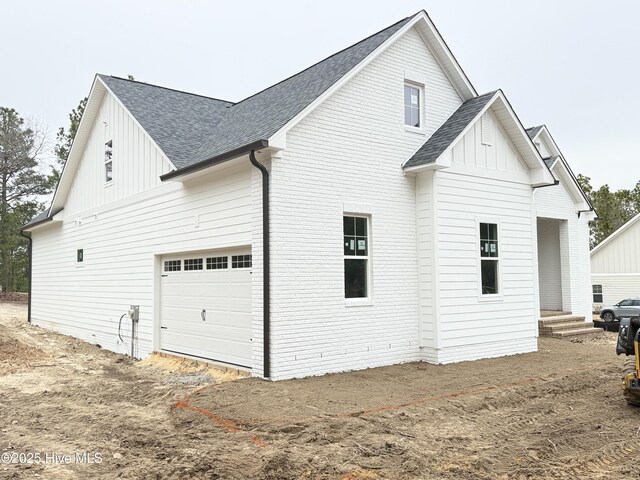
x,y
615,265
407,218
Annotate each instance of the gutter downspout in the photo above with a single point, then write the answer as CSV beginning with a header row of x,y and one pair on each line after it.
x,y
30,250
555,182
266,273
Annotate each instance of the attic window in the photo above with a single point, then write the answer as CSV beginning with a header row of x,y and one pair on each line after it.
x,y
487,129
412,105
108,161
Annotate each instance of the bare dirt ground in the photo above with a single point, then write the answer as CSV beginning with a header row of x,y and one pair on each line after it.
x,y
557,413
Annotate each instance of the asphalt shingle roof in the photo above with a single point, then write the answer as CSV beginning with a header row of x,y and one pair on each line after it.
x,y
549,161
178,122
533,131
263,114
431,150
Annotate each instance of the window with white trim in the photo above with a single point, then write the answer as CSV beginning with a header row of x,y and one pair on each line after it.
x,y
356,256
489,259
412,103
108,161
597,293
193,264
217,263
241,261
172,265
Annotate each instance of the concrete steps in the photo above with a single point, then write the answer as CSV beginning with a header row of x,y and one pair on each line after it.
x,y
565,325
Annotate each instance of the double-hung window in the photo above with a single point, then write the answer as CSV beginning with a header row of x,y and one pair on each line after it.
x,y
412,105
356,257
489,259
597,293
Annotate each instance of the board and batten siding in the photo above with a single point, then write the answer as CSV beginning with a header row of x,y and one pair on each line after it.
x,y
137,162
347,156
620,255
556,203
123,239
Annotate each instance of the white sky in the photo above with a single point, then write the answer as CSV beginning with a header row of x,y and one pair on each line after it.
x,y
570,64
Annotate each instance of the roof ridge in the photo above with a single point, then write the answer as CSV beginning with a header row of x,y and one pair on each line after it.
x,y
327,58
166,88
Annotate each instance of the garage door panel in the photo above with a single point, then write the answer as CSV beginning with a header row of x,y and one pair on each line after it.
x,y
224,294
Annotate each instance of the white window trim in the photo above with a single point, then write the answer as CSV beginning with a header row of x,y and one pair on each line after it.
x,y
359,301
489,297
408,82
108,183
77,263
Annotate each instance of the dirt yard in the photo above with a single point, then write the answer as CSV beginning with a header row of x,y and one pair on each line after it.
x,y
557,413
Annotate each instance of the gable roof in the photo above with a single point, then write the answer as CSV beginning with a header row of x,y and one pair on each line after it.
x,y
179,122
615,234
260,116
534,131
216,136
550,161
442,138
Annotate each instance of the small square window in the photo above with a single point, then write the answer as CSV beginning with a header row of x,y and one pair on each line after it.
x,y
217,263
193,264
241,261
412,106
172,265
80,255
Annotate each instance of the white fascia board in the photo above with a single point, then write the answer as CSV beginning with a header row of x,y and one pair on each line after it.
x,y
615,234
94,100
135,121
530,150
276,138
439,164
549,137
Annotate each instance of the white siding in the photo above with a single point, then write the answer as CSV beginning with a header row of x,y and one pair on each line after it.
x,y
347,156
549,264
555,202
471,325
137,162
121,241
500,154
616,287
620,255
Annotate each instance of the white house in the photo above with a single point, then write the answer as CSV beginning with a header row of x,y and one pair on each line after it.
x,y
372,209
615,265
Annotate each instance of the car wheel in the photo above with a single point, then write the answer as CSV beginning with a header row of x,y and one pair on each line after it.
x,y
608,316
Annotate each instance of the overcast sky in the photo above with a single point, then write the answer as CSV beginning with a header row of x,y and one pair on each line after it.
x,y
570,64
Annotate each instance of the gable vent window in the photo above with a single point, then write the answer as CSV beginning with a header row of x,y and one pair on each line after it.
x,y
217,263
80,255
412,106
193,264
487,129
241,261
108,161
172,265
597,293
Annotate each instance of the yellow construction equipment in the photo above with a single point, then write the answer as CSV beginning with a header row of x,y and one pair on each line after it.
x,y
628,338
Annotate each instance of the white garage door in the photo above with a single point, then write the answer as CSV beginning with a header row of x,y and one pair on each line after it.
x,y
206,306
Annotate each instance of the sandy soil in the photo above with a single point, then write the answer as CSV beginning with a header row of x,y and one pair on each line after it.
x,y
557,413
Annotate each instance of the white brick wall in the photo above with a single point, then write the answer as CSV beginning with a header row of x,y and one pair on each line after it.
x,y
556,203
349,151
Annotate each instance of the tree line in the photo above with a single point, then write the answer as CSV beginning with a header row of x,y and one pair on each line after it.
x,y
26,179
